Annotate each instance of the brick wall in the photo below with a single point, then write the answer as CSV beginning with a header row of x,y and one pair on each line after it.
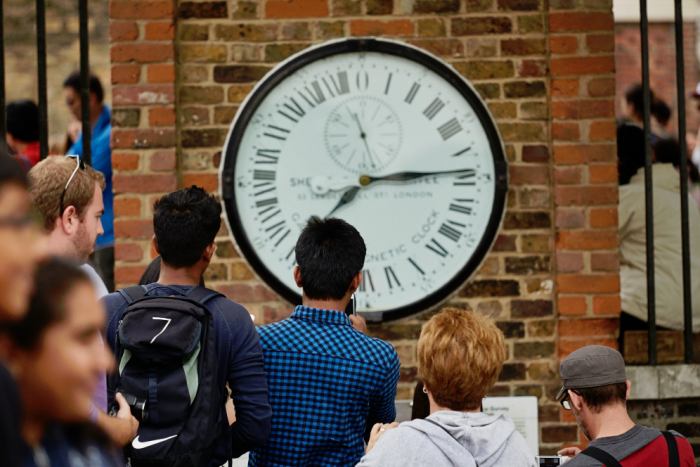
x,y
545,69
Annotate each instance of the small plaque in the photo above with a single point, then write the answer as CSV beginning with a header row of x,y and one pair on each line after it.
x,y
523,411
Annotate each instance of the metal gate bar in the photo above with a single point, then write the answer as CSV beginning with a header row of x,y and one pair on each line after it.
x,y
41,74
85,81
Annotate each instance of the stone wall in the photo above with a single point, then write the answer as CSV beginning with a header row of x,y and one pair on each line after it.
x,y
545,69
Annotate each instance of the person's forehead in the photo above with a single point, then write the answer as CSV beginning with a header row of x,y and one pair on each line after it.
x,y
13,199
82,308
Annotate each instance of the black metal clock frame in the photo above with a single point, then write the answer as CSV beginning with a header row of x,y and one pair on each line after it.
x,y
359,45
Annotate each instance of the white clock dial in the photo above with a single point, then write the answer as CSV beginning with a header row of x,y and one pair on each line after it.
x,y
383,141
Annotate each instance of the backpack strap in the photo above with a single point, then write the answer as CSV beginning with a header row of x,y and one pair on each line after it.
x,y
674,459
452,436
133,293
201,294
601,456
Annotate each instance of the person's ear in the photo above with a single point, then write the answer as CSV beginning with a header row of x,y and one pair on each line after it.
x,y
576,400
297,277
356,281
68,220
629,388
155,245
209,251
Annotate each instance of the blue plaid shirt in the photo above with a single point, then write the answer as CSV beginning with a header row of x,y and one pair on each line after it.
x,y
328,384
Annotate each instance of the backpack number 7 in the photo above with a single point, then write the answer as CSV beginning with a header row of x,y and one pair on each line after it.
x,y
164,328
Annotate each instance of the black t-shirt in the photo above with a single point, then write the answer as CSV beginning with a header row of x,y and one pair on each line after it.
x,y
10,420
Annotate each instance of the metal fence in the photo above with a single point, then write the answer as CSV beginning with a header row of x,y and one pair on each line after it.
x,y
41,74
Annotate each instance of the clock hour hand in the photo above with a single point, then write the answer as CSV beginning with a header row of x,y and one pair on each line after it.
x,y
366,180
347,197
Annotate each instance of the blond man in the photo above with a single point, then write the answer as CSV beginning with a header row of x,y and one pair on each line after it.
x,y
460,355
68,195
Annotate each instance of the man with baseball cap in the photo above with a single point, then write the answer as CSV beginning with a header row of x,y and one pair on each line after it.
x,y
595,388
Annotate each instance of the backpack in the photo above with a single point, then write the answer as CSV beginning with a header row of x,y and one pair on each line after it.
x,y
167,359
609,461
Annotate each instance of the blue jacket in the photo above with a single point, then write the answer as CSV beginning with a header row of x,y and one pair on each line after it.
x,y
101,161
240,363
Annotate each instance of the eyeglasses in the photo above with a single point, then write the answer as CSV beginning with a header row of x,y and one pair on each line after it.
x,y
566,400
79,165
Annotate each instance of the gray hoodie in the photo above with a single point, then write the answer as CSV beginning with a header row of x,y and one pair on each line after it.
x,y
484,441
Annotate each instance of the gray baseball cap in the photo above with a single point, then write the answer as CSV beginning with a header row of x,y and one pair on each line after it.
x,y
590,367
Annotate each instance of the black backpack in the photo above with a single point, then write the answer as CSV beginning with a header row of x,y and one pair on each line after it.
x,y
167,359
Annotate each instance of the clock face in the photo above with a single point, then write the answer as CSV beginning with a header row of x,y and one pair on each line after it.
x,y
384,136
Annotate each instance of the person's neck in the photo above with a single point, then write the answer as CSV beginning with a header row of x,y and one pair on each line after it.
x,y
611,421
61,246
179,276
19,146
95,114
33,429
337,305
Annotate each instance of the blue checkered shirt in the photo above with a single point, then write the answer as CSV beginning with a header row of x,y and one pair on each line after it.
x,y
328,384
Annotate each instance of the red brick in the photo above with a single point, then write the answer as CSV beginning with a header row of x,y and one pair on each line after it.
x,y
143,139
578,21
568,416
125,161
144,183
565,87
600,42
583,153
210,182
161,74
133,228
567,175
399,27
586,240
161,116
160,31
124,207
296,8
243,293
563,44
125,74
566,131
528,175
603,217
531,68
603,130
141,9
606,305
588,327
537,153
128,274
566,347
130,252
585,108
147,94
603,173
440,47
601,87
141,53
123,31
605,262
585,195
582,65
569,262
588,283
571,305
570,219
163,161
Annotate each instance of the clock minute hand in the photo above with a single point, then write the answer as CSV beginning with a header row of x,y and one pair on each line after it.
x,y
347,197
366,180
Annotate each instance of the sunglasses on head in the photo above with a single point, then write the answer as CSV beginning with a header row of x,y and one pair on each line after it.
x,y
78,165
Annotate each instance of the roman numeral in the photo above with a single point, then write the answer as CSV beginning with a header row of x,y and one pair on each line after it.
x,y
416,266
291,252
278,227
342,86
271,216
264,174
267,156
461,152
295,109
388,83
266,205
390,274
412,93
433,108
284,235
460,208
316,93
466,179
450,129
449,232
277,136
366,283
435,247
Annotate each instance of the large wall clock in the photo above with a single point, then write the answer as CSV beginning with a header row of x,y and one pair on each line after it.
x,y
385,136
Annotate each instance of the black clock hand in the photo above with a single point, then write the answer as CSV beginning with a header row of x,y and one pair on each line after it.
x,y
366,180
363,135
348,196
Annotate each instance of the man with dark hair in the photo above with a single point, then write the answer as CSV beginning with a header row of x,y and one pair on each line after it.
x,y
101,129
595,388
329,383
185,224
23,132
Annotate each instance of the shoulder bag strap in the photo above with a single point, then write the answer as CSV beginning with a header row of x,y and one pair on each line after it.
x,y
133,293
674,459
445,430
201,294
601,456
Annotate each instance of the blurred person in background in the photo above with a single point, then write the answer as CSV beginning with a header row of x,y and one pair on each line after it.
x,y
21,247
23,132
58,358
460,355
101,129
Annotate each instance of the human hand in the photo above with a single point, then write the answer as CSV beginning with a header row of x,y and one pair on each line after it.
x,y
570,451
378,430
359,323
122,428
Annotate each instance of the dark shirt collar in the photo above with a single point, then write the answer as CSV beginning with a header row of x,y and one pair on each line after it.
x,y
324,316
